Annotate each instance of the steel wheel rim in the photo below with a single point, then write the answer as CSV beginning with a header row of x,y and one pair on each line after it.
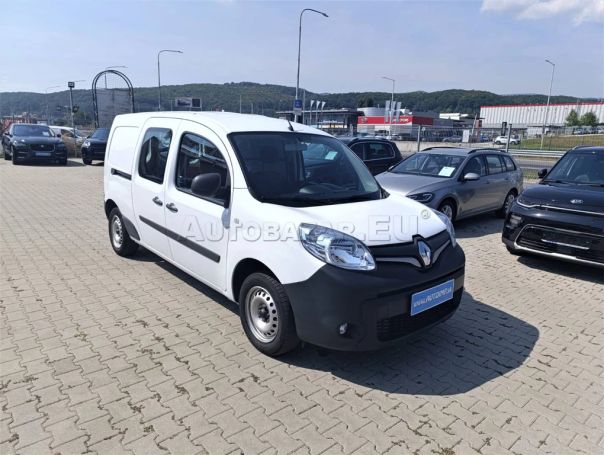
x,y
447,210
117,232
261,314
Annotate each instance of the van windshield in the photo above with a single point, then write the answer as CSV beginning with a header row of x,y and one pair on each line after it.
x,y
302,170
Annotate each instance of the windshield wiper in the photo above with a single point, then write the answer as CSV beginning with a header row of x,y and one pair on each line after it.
x,y
556,181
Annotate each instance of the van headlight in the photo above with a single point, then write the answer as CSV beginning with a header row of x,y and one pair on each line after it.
x,y
335,248
86,144
448,225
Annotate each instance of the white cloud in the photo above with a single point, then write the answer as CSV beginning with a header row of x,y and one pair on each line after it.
x,y
577,10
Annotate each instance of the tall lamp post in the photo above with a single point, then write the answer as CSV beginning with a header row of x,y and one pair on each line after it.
x,y
71,85
392,98
551,83
46,99
159,75
300,46
111,67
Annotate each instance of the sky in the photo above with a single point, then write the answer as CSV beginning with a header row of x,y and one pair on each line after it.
x,y
494,45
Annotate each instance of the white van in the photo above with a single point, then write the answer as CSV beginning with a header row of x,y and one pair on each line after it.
x,y
286,221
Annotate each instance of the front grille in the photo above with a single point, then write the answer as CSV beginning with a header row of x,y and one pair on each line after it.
x,y
41,147
408,249
97,148
582,246
403,324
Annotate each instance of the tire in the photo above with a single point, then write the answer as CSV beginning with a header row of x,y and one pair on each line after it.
x,y
266,315
449,208
63,162
87,161
119,238
507,203
16,160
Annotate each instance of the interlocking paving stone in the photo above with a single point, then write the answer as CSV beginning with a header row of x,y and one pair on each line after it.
x,y
111,355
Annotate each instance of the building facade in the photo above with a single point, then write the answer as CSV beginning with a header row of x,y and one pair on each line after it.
x,y
532,115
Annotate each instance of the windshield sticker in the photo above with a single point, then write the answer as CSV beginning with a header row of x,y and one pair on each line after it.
x,y
446,171
330,155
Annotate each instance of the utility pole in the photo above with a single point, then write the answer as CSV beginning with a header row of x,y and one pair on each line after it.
x,y
551,83
159,75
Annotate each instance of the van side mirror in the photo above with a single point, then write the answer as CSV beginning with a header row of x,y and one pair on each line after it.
x,y
542,173
205,185
471,177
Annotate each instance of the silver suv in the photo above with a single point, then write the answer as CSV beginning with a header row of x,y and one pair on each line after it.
x,y
459,182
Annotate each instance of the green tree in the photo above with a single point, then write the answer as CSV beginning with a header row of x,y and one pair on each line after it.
x,y
588,119
572,119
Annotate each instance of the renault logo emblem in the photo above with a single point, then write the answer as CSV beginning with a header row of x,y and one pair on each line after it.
x,y
425,253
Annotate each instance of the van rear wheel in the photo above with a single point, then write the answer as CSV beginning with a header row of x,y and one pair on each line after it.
x,y
120,240
266,315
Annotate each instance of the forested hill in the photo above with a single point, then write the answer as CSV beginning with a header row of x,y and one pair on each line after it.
x,y
265,99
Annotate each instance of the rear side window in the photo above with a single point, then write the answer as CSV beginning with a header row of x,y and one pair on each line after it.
x,y
358,150
494,164
378,151
154,154
197,156
509,163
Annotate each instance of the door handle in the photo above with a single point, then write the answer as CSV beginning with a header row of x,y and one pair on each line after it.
x,y
157,201
171,207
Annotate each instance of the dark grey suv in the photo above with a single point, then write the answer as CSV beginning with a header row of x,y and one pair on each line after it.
x,y
377,154
459,182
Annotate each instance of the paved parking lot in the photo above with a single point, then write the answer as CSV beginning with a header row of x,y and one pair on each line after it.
x,y
101,354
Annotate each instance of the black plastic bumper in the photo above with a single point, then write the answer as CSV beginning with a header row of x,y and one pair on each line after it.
x,y
28,155
375,304
524,230
93,154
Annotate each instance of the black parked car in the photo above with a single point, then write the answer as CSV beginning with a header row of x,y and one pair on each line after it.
x,y
94,146
377,154
563,216
29,142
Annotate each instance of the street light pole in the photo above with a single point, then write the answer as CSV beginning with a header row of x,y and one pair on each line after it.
x,y
551,83
300,46
391,99
159,75
110,67
46,99
71,86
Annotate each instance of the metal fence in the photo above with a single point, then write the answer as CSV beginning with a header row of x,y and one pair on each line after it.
x,y
525,145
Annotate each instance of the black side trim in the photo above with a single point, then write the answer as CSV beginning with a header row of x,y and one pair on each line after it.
x,y
121,174
132,232
182,240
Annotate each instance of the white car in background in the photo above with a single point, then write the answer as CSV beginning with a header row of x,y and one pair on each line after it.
x,y
501,140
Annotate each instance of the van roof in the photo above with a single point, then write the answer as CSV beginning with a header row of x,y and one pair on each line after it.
x,y
228,122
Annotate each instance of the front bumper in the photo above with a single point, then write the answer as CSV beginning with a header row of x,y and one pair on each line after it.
x,y
375,305
26,154
93,153
560,235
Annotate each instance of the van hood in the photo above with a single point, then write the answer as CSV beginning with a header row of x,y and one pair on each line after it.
x,y
394,219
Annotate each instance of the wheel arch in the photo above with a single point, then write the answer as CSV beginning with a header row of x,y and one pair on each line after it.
x,y
242,270
109,206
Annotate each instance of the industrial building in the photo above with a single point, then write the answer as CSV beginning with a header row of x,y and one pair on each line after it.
x,y
533,115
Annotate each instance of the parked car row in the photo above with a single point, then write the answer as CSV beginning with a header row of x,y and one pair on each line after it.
x,y
26,142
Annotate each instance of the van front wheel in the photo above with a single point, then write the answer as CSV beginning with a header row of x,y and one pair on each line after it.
x,y
121,242
266,315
